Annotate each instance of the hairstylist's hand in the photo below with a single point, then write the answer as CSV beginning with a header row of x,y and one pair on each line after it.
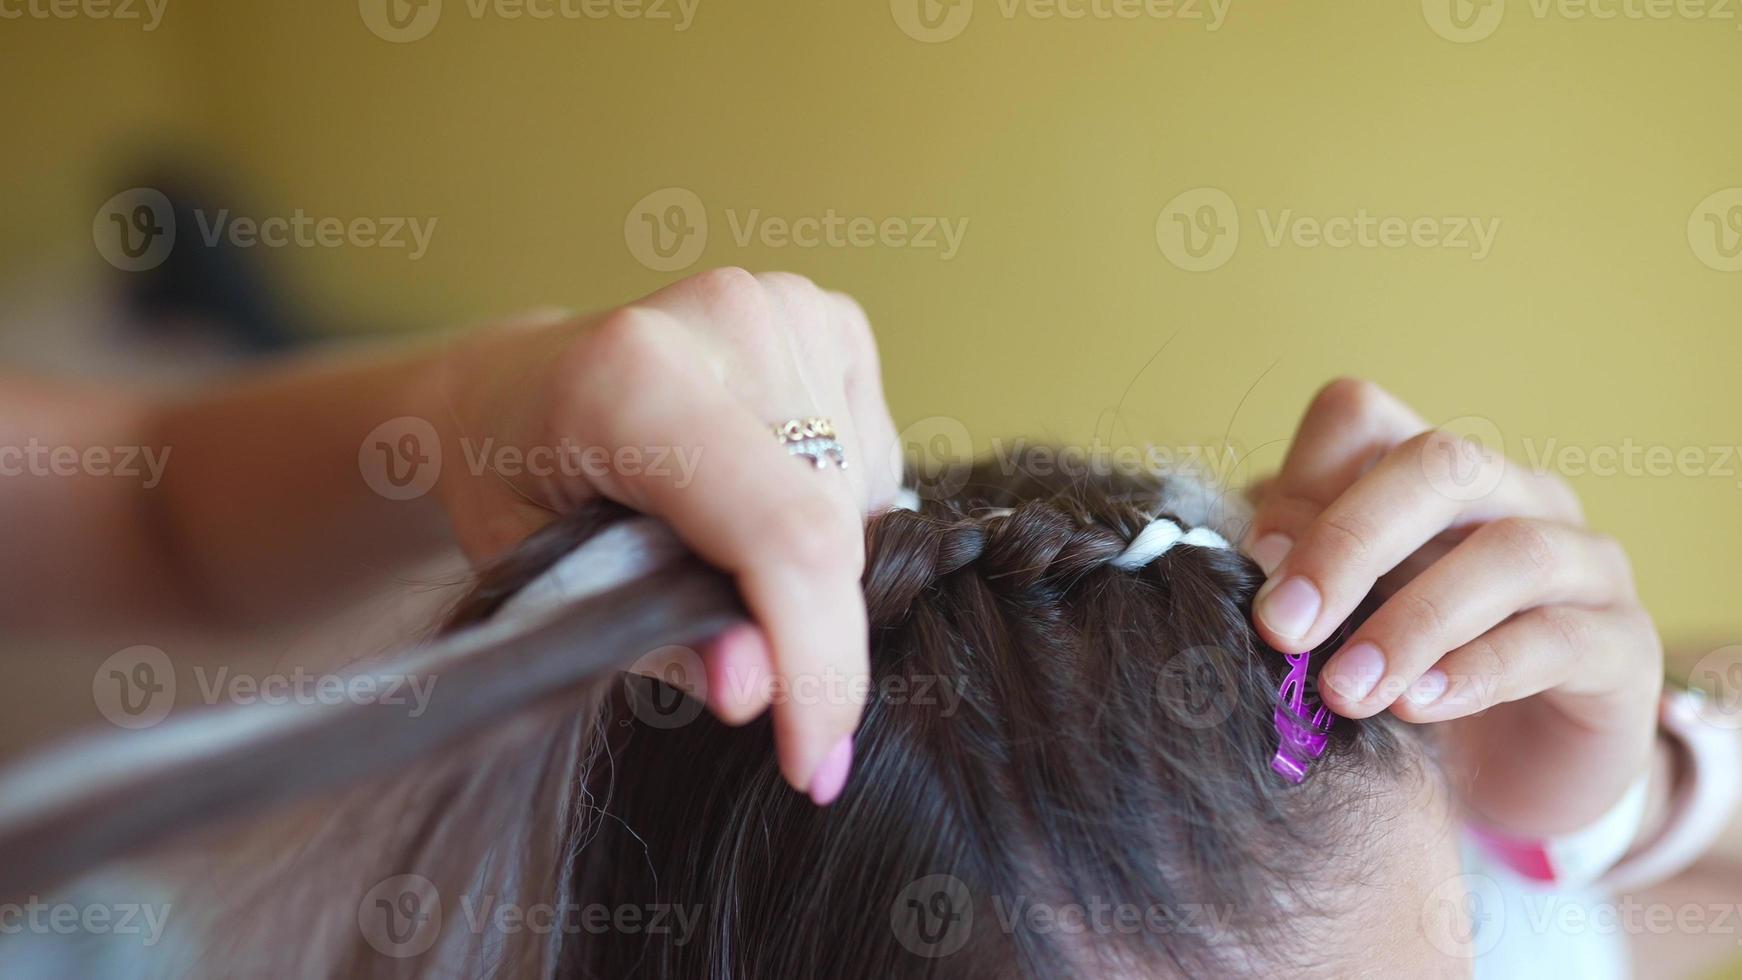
x,y
676,395
1500,610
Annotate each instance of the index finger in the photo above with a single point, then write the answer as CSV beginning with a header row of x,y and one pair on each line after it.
x,y
1349,424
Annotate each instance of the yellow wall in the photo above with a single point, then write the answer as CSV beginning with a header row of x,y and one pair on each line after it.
x,y
1592,322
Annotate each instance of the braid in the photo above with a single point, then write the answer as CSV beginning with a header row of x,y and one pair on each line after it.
x,y
1036,548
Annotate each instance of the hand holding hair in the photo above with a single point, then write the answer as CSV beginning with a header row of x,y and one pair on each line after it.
x,y
1503,613
702,370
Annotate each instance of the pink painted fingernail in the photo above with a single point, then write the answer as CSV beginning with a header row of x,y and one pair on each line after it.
x,y
1290,608
1355,672
1427,688
831,776
1270,550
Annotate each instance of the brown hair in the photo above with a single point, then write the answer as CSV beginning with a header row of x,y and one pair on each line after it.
x,y
1063,769
1046,732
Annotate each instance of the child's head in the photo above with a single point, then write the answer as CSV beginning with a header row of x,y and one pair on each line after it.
x,y
1064,770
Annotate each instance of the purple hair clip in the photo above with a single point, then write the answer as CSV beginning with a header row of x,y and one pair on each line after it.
x,y
1300,739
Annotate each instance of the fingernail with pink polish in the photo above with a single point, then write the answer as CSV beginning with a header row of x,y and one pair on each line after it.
x,y
1270,550
831,775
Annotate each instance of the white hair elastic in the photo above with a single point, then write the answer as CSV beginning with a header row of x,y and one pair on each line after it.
x,y
1158,537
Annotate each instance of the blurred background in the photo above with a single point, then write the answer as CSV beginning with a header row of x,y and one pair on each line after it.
x,y
1108,222
1003,181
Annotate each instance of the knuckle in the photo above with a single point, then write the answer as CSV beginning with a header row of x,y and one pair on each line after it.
x,y
1345,540
1482,657
1420,615
815,536
730,288
856,329
800,300
1347,398
631,348
1614,554
1526,541
1573,631
789,284
626,339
